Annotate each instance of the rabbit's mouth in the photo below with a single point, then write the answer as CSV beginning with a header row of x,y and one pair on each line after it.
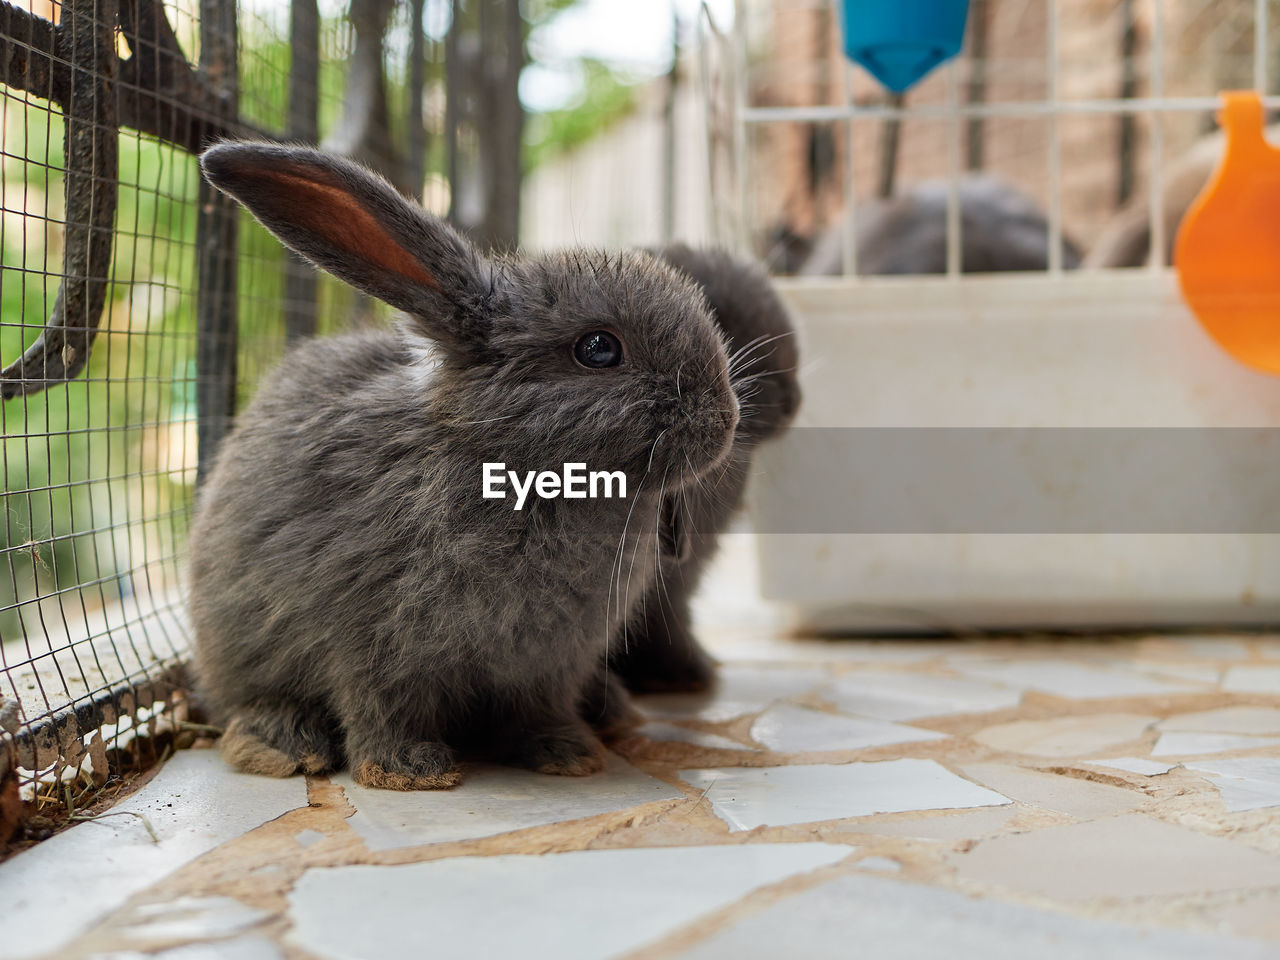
x,y
707,443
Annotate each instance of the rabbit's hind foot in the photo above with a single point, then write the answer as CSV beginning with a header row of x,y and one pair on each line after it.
x,y
420,766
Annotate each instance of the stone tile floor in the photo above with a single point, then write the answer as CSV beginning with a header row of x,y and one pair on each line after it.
x,y
883,799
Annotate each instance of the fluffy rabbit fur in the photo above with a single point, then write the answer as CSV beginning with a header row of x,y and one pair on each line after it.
x,y
657,651
355,600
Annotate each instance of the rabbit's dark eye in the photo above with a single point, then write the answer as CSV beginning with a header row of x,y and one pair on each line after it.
x,y
599,348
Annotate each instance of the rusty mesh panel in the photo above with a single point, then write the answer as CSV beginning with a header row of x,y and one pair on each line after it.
x,y
136,308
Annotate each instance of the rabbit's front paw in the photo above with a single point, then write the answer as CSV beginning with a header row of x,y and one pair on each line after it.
x,y
566,753
420,766
245,750
278,743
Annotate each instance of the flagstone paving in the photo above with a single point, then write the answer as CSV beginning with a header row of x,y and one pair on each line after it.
x,y
981,798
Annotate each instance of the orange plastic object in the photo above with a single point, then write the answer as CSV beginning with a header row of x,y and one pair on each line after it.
x,y
1228,249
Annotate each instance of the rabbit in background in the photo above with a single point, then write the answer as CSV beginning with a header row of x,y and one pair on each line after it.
x,y
1001,229
657,651
356,601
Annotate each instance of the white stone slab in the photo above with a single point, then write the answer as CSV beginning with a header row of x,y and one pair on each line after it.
x,y
1253,680
1183,744
671,733
879,864
1251,721
188,918
1068,678
739,690
912,696
1213,648
307,838
1241,795
241,948
1205,674
883,918
1257,915
966,825
746,798
195,803
1122,857
493,800
1246,783
791,729
565,906
1051,791
1065,736
1147,768
771,648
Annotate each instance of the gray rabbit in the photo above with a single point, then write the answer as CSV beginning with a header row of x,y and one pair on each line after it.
x,y
657,651
1002,229
356,599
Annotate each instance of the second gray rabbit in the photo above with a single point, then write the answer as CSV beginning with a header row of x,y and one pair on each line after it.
x,y
658,651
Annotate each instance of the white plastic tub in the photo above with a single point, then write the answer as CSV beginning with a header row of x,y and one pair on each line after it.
x,y
1114,349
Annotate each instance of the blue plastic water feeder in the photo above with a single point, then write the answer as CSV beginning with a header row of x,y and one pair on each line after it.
x,y
900,41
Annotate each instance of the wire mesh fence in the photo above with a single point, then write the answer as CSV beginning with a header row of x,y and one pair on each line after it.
x,y
136,308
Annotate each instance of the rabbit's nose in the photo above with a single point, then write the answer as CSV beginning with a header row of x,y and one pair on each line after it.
x,y
732,413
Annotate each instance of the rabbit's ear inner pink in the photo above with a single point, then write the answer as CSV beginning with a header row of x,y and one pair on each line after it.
x,y
357,226
311,209
335,215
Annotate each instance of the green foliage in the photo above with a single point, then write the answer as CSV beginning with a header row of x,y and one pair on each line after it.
x,y
538,12
606,99
98,474
76,457
264,76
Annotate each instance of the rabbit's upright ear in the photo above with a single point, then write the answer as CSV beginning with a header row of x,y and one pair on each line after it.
x,y
354,224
